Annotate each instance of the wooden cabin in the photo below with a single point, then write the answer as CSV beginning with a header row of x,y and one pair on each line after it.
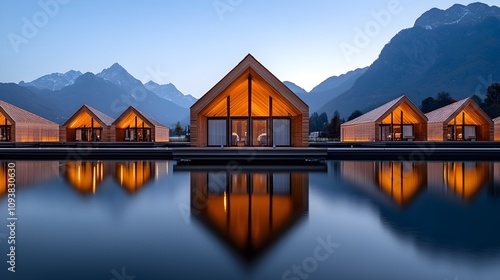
x,y
18,125
134,126
397,120
496,124
87,125
463,120
249,107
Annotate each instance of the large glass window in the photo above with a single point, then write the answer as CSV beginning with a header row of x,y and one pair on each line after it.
x,y
239,132
217,132
259,129
281,132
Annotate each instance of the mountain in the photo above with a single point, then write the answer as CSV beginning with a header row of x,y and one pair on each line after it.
x,y
120,77
54,81
331,88
90,89
440,53
18,95
326,90
161,109
295,88
171,93
457,14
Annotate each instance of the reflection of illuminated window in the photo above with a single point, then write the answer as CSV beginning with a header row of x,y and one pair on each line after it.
x,y
259,183
217,182
281,183
239,183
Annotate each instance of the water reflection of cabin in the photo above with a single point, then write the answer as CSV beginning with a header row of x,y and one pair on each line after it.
x,y
249,210
397,120
463,120
249,107
135,126
85,176
18,125
464,178
133,175
28,173
400,181
88,125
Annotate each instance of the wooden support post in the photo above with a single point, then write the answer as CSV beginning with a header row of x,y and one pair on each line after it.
x,y
270,123
228,121
249,130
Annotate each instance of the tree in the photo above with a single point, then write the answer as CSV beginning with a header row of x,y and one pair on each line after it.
x,y
323,122
318,122
478,100
178,129
334,127
354,115
442,99
428,105
492,100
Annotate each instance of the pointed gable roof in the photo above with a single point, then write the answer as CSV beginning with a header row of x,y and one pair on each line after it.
x,y
146,118
96,114
496,120
447,113
378,114
249,62
18,115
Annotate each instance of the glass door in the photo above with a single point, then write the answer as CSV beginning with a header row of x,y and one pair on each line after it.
x,y
259,133
239,132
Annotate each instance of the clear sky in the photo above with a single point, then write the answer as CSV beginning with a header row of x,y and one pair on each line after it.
x,y
194,43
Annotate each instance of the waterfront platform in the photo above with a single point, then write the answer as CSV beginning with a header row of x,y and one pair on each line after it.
x,y
487,151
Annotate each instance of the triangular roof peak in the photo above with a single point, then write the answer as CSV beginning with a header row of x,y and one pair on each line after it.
x,y
250,63
100,116
447,113
140,114
379,113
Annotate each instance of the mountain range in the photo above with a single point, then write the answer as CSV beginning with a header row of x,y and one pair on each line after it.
x,y
57,96
453,50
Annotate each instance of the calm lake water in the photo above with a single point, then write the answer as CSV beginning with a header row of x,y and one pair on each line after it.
x,y
344,220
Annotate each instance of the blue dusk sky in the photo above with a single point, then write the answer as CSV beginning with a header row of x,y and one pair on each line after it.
x,y
194,43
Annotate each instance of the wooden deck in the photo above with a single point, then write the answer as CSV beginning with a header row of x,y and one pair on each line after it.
x,y
249,156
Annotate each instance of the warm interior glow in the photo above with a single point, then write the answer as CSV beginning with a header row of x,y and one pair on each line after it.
x,y
248,215
401,180
129,120
466,178
409,116
238,93
84,175
134,175
3,119
3,179
472,117
84,119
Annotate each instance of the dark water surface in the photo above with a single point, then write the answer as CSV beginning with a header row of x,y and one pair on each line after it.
x,y
345,220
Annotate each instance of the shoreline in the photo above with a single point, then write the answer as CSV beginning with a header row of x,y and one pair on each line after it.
x,y
413,151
